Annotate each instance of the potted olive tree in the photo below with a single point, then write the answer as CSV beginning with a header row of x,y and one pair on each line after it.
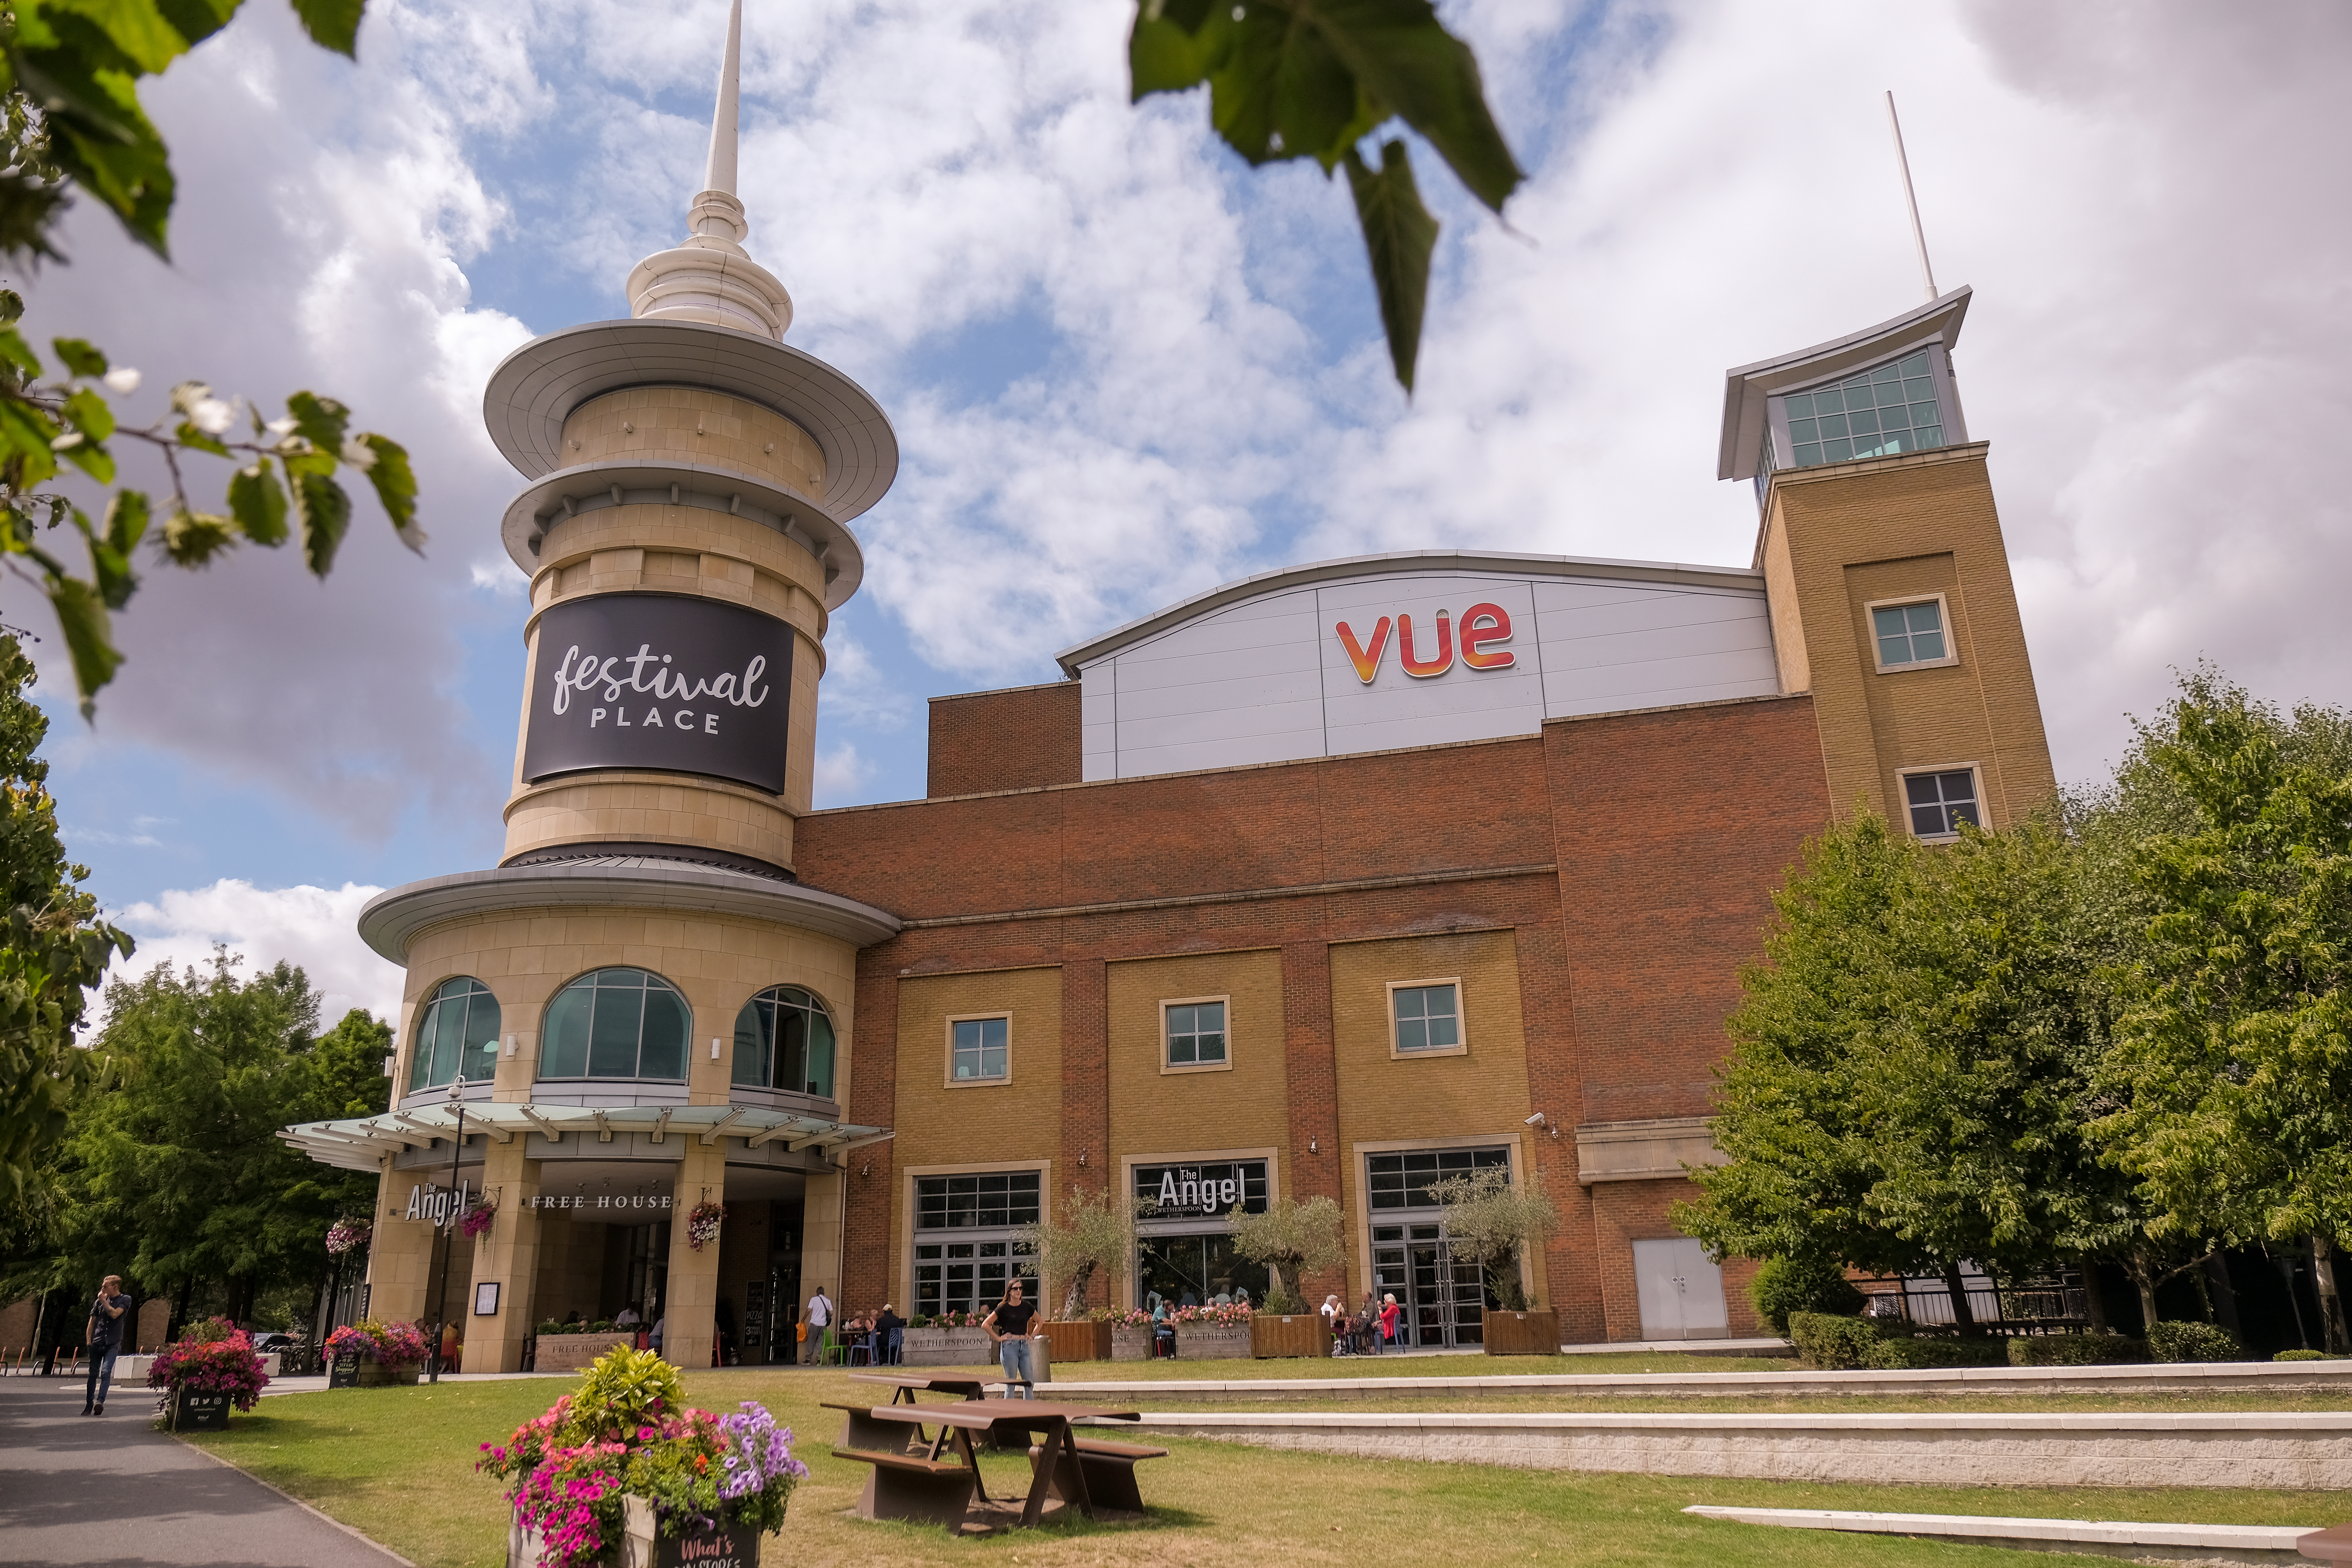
x,y
1095,1232
1497,1224
1294,1238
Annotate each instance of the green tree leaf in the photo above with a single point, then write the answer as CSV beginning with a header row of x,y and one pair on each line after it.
x,y
258,504
79,357
320,421
332,24
25,435
99,137
322,513
18,351
196,20
1399,237
193,537
90,636
1401,55
136,27
395,486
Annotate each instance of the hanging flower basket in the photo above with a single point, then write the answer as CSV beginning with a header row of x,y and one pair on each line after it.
x,y
478,1218
702,1224
346,1235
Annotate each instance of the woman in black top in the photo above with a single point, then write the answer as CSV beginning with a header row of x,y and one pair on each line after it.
x,y
1008,1325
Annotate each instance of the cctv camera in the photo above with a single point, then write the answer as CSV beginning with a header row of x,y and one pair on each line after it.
x,y
1537,1120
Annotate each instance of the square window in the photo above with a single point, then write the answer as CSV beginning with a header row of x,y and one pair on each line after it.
x,y
1426,1017
1910,635
1939,802
1195,1033
978,1052
1840,422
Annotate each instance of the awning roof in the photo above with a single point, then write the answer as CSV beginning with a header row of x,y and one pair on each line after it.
x,y
362,1143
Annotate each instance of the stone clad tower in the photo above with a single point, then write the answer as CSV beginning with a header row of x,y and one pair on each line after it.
x,y
641,1010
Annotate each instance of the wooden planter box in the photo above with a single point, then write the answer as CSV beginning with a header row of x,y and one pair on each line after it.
x,y
577,1352
1079,1342
1531,1332
1292,1334
948,1347
1212,1342
389,1374
195,1412
641,1547
1130,1345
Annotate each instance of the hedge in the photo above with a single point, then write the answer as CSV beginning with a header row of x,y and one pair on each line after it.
x,y
1829,1343
2193,1341
2076,1350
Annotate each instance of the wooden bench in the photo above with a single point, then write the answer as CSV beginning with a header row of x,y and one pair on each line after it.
x,y
1109,1471
908,1486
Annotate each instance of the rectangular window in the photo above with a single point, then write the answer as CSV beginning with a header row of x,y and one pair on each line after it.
x,y
1426,1016
966,1251
1911,636
1940,802
988,1200
1401,1180
1195,1032
977,1050
969,1276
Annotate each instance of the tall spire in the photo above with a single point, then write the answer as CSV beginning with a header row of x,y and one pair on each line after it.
x,y
709,278
719,174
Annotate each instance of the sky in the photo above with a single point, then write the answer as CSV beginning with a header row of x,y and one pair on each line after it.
x,y
1124,368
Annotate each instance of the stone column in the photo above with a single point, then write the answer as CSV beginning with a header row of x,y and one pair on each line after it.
x,y
686,1333
508,1255
821,1258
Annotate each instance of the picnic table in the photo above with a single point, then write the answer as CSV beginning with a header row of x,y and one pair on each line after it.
x,y
938,1479
963,1385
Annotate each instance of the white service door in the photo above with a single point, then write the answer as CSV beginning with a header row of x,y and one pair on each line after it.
x,y
1681,1290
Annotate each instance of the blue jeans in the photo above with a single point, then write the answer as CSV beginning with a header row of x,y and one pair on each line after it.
x,y
1014,1354
101,1374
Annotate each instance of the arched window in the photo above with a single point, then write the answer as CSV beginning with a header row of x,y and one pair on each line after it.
x,y
456,1032
617,1023
783,1039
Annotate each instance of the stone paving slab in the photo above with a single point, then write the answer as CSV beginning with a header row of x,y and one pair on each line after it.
x,y
2290,1450
2241,1545
111,1492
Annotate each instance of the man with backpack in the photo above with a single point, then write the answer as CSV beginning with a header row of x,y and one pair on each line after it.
x,y
104,1337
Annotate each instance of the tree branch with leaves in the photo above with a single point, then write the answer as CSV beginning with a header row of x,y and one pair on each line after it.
x,y
1096,1231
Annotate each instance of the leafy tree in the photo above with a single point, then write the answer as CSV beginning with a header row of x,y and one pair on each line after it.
x,y
1097,1231
69,72
55,948
1909,1069
1294,1237
1495,1223
2233,1055
1312,78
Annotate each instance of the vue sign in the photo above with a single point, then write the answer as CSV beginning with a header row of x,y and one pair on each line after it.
x,y
1482,625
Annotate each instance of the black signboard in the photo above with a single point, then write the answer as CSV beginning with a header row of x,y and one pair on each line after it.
x,y
737,1546
197,1412
343,1370
1201,1192
660,681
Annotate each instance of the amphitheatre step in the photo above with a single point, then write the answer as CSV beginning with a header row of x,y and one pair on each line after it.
x,y
2183,1377
2298,1450
2223,1546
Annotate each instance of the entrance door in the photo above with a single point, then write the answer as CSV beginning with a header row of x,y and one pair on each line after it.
x,y
1442,1296
1681,1290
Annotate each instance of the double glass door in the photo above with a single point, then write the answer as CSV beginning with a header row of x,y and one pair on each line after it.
x,y
1442,1296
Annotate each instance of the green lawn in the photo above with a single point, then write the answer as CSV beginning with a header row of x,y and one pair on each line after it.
x,y
397,1464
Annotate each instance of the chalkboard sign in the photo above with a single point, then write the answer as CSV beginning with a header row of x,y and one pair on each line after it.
x,y
343,1370
199,1411
738,1547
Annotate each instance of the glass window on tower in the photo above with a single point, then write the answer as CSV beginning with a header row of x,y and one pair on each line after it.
x,y
1939,802
1876,414
783,1039
457,1034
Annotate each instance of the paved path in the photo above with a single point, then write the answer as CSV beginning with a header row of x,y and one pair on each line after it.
x,y
110,1490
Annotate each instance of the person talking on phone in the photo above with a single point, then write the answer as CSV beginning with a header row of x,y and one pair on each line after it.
x,y
105,1340
1008,1325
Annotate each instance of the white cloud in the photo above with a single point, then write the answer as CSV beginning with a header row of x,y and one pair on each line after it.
x,y
314,928
839,773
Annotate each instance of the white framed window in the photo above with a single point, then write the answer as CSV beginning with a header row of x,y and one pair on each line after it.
x,y
980,1049
1425,1018
1911,633
1938,800
967,1238
1876,413
1193,1035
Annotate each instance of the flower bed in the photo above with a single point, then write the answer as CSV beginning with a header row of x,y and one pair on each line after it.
x,y
212,1369
390,1352
627,1437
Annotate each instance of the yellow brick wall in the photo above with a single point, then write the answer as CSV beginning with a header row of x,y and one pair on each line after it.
x,y
524,957
1154,1112
1481,1093
1849,533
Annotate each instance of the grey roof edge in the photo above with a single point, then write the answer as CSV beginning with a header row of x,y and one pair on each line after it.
x,y
1665,573
392,919
545,496
531,391
1745,387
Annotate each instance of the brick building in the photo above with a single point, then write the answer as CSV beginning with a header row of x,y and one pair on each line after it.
x,y
1329,881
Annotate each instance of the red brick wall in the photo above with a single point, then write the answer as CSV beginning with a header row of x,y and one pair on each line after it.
x,y
1016,739
1626,1212
1670,831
